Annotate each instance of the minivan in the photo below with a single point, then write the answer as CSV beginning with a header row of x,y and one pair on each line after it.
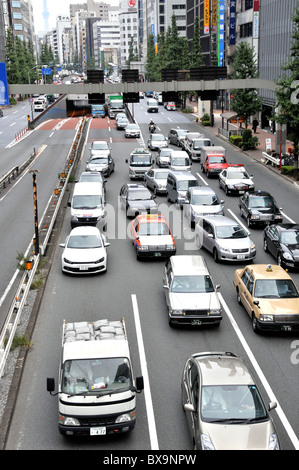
x,y
193,144
87,205
179,160
178,183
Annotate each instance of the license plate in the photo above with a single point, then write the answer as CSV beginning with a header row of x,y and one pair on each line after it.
x,y
286,328
241,192
196,322
157,254
240,256
83,268
97,431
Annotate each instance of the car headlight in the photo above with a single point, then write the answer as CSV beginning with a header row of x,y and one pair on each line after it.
x,y
68,421
67,261
252,248
226,250
142,247
125,417
206,442
215,311
170,247
266,317
273,442
287,256
100,260
254,216
176,312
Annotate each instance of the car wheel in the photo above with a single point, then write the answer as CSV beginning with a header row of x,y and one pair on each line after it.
x,y
254,323
226,190
215,255
208,174
265,245
155,191
248,221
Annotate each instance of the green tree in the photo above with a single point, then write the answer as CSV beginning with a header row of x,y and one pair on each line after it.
x,y
245,102
287,93
152,70
12,61
196,55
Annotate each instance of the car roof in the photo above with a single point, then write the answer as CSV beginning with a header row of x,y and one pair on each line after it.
x,y
99,142
220,220
236,168
85,230
160,170
185,265
151,218
259,192
268,271
222,369
182,175
88,188
202,189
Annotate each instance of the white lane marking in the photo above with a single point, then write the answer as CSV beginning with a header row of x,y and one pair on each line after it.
x,y
204,181
12,124
289,218
147,390
238,220
261,376
51,134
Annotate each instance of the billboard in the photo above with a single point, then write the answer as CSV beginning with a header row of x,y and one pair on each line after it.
x,y
4,98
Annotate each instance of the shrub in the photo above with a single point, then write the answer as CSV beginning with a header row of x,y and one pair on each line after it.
x,y
235,140
287,170
249,142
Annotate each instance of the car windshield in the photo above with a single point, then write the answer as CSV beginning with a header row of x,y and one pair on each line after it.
x,y
290,237
99,160
157,137
153,228
216,160
96,376
275,289
140,160
165,152
181,133
180,161
230,231
132,127
261,201
100,146
186,184
204,199
201,143
192,284
87,202
140,195
226,403
237,175
84,241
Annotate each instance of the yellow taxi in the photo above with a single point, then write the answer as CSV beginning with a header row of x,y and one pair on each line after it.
x,y
269,296
152,236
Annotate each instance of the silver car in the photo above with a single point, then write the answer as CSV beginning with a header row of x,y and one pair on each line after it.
x,y
132,130
163,157
156,141
156,180
223,406
224,238
200,201
190,294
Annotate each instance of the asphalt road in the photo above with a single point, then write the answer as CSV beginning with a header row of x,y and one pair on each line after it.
x,y
133,289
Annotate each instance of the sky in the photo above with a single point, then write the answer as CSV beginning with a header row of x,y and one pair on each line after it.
x,y
55,7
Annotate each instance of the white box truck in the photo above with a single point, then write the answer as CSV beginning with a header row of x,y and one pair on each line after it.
x,y
96,389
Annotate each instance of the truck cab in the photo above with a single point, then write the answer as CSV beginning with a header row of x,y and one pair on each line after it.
x,y
97,390
140,162
213,161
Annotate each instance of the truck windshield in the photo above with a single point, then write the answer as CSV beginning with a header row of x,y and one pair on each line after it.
x,y
91,376
138,160
87,202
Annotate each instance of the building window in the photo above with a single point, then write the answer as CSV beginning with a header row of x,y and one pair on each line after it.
x,y
246,30
18,27
16,4
16,16
248,4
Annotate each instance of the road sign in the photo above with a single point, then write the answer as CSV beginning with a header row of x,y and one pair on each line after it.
x,y
30,100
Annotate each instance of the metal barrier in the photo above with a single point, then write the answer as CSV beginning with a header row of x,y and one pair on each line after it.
x,y
14,314
269,159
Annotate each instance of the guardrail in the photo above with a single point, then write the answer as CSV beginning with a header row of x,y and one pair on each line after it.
x,y
16,170
45,230
269,159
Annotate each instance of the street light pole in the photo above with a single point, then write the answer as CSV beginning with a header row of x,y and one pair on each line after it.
x,y
36,242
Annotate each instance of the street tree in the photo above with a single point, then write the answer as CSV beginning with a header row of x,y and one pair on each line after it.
x,y
245,102
287,93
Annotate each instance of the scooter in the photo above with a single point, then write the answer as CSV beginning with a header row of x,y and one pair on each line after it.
x,y
152,128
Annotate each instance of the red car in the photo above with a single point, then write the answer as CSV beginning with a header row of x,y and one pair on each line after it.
x,y
214,164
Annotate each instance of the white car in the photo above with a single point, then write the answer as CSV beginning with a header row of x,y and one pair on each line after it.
x,y
235,179
100,147
84,251
132,130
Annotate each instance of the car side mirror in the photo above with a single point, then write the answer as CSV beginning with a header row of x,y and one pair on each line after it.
x,y
69,204
272,405
217,287
139,383
126,160
50,384
189,407
256,302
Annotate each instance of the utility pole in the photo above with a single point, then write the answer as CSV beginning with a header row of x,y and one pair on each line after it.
x,y
36,242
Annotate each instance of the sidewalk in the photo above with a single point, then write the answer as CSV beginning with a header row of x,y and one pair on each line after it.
x,y
261,134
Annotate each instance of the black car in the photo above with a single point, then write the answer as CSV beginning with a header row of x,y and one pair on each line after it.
x,y
136,199
1,113
176,136
259,207
282,241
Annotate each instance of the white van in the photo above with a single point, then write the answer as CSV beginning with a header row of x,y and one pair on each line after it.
x,y
152,106
87,205
178,183
179,161
39,105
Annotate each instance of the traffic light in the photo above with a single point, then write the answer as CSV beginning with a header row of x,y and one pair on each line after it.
x,y
131,97
170,96
208,73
